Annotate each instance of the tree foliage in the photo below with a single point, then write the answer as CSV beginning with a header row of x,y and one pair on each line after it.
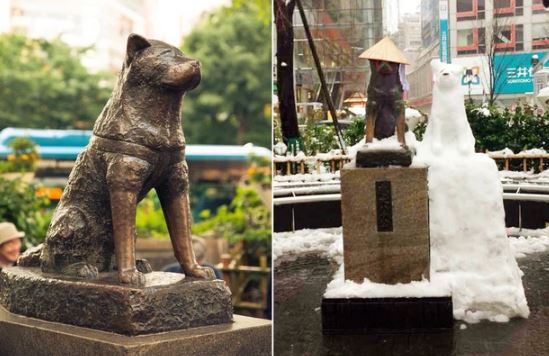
x,y
246,219
44,84
521,129
232,103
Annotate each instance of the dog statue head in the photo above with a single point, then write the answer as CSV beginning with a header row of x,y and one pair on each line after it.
x,y
156,63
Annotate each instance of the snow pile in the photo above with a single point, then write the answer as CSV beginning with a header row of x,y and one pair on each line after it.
x,y
525,177
413,118
341,288
534,151
517,232
308,177
522,246
526,241
325,241
484,111
469,244
504,152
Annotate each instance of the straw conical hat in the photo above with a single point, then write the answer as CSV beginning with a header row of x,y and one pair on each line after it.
x,y
385,50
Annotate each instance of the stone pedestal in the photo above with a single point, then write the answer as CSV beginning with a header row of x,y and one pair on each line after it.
x,y
377,157
385,217
168,301
386,315
23,336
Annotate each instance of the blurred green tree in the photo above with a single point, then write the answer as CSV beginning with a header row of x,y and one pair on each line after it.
x,y
44,85
232,104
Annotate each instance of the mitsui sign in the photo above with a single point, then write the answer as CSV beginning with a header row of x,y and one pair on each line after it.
x,y
515,72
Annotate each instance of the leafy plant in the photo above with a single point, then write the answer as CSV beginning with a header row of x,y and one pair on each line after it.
x,y
24,156
149,219
260,170
419,130
520,130
245,220
20,205
319,139
355,131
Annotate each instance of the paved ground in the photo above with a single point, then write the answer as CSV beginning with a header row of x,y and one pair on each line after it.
x,y
300,283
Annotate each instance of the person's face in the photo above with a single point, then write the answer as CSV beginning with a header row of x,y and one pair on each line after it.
x,y
9,251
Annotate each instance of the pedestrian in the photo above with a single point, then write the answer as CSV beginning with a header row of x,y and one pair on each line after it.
x,y
10,244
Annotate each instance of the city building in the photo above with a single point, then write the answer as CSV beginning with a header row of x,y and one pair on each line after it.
x,y
494,41
342,29
419,74
103,24
409,32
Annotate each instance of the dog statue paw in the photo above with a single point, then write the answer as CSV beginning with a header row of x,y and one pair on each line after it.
x,y
132,277
200,272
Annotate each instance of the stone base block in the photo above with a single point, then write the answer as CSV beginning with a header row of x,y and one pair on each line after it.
x,y
23,336
386,315
370,157
168,301
385,215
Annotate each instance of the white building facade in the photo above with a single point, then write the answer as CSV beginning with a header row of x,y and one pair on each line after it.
x,y
103,24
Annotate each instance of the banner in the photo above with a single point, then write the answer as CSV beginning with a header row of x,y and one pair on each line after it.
x,y
444,46
514,72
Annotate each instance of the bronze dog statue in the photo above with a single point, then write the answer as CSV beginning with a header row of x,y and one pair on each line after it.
x,y
385,107
137,145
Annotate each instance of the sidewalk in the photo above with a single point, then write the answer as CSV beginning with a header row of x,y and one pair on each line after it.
x,y
300,282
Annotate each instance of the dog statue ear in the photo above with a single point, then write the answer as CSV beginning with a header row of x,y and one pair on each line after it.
x,y
135,44
436,65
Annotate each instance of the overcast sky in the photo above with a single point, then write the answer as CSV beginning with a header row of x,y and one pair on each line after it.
x,y
169,13
408,6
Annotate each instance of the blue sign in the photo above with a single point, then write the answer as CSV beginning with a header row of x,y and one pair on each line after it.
x,y
444,47
514,73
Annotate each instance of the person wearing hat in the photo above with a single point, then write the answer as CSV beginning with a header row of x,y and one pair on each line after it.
x,y
10,244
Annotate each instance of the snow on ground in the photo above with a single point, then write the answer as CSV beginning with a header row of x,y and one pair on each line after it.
x,y
515,231
530,242
463,285
325,241
341,288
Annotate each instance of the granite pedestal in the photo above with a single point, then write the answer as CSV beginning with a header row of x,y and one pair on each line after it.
x,y
367,157
385,213
168,301
23,336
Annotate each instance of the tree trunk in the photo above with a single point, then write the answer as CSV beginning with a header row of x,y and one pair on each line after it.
x,y
285,67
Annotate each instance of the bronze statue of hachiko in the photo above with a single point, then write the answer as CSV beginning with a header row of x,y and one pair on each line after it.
x,y
137,145
385,107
